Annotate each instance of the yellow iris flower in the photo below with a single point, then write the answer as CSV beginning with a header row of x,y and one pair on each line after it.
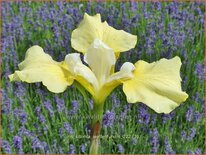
x,y
156,84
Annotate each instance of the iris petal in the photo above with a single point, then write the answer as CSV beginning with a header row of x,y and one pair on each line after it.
x,y
100,59
40,67
124,74
118,40
156,84
91,28
82,73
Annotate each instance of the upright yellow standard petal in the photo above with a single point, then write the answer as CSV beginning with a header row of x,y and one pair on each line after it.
x,y
156,84
100,59
91,28
40,67
118,40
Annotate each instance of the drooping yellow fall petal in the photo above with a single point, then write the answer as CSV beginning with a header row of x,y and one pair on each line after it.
x,y
91,28
118,40
156,84
40,67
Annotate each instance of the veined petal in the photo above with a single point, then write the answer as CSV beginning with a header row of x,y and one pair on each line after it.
x,y
118,40
156,84
89,29
82,73
40,67
100,59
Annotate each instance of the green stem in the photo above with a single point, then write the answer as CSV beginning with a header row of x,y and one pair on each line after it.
x,y
96,125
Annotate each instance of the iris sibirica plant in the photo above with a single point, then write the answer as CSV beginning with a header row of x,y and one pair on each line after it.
x,y
157,84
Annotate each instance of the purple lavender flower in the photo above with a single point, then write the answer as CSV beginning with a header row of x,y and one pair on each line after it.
x,y
154,140
120,148
153,118
71,149
60,104
124,112
189,113
68,128
145,12
196,97
46,147
45,129
191,134
83,148
54,145
143,115
17,141
99,8
61,132
6,104
74,108
40,116
36,125
108,118
16,112
37,144
38,110
88,7
191,17
133,5
197,116
6,147
168,148
23,131
42,119
183,135
135,20
11,127
115,101
200,70
20,90
198,151
201,19
149,43
157,5
49,107
23,117
190,152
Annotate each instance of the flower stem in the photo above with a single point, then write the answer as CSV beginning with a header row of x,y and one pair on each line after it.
x,y
96,125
